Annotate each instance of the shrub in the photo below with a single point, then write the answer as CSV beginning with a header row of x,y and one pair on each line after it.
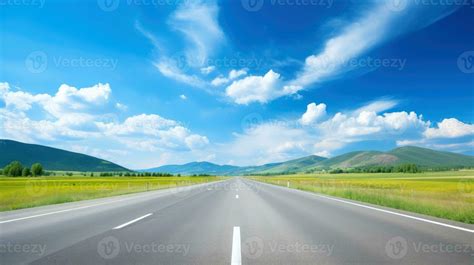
x,y
36,169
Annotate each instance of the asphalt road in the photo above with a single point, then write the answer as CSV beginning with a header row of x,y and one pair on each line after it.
x,y
231,222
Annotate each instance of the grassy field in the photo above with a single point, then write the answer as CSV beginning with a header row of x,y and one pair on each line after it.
x,y
17,193
448,195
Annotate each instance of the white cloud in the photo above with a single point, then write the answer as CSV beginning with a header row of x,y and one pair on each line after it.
x,y
374,27
255,88
198,21
121,106
450,128
233,74
220,80
183,97
86,115
168,68
286,139
207,70
313,113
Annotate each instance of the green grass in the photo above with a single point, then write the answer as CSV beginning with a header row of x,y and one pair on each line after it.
x,y
17,193
448,195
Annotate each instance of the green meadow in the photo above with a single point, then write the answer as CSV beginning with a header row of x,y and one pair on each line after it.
x,y
448,195
17,193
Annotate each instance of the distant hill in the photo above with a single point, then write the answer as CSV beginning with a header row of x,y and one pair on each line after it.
x,y
423,157
52,158
197,168
295,165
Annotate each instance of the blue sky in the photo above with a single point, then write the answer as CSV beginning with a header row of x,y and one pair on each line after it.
x,y
152,82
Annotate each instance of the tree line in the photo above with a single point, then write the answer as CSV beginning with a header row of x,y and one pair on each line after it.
x,y
403,168
16,169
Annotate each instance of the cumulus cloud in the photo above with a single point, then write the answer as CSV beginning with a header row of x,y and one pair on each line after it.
x,y
87,115
375,26
313,113
255,88
233,74
450,128
316,132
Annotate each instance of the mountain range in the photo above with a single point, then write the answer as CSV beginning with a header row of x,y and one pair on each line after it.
x,y
53,158
423,157
62,160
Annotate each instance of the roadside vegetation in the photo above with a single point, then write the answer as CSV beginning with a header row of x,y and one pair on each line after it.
x,y
25,192
448,195
16,169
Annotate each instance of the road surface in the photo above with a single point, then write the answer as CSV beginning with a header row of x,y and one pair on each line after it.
x,y
237,221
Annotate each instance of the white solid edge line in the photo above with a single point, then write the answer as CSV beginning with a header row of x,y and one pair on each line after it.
x,y
381,210
236,253
98,204
131,222
398,214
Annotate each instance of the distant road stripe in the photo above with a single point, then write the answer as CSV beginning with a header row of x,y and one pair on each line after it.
x,y
236,253
133,221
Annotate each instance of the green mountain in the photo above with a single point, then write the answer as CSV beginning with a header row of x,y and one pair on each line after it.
x,y
197,168
52,158
422,157
295,165
431,158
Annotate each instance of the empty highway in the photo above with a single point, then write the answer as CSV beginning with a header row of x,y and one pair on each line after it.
x,y
237,221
